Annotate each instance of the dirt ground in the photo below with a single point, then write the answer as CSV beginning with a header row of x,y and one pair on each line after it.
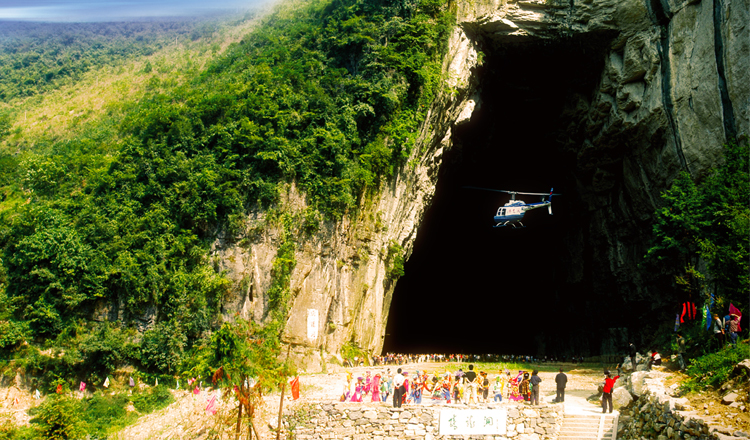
x,y
708,404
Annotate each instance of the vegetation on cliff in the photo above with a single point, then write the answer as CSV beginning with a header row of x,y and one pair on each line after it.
x,y
701,243
112,216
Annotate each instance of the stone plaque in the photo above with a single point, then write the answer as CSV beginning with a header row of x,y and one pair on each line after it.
x,y
473,421
312,324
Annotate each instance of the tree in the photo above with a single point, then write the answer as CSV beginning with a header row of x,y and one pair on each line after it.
x,y
702,233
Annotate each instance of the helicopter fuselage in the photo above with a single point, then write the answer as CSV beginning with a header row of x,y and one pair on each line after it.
x,y
512,212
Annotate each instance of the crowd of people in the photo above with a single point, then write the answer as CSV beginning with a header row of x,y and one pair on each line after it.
x,y
469,387
405,359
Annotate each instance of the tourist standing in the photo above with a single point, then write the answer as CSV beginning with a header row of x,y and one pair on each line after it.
x,y
633,361
470,378
561,379
609,385
398,388
681,351
734,325
718,329
535,382
485,386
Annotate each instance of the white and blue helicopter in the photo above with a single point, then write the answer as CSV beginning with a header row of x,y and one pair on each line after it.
x,y
512,212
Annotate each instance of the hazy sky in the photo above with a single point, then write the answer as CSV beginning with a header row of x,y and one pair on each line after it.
x,y
112,10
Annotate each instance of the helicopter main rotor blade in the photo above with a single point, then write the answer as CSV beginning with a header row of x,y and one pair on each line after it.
x,y
487,189
511,192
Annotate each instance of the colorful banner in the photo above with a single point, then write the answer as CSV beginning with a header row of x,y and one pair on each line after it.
x,y
473,421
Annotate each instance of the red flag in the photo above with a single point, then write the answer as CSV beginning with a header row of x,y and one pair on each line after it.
x,y
211,407
735,311
295,388
683,314
59,389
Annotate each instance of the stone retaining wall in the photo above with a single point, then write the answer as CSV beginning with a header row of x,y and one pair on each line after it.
x,y
365,421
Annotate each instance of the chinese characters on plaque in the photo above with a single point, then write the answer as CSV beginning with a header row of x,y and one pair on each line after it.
x,y
473,421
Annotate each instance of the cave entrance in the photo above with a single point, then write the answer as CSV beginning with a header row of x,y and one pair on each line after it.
x,y
472,288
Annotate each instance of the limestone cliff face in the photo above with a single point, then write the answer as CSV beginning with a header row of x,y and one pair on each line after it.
x,y
674,86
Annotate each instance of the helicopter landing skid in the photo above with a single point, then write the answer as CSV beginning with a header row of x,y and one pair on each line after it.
x,y
514,225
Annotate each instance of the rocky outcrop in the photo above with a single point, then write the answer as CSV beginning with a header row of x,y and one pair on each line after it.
x,y
671,85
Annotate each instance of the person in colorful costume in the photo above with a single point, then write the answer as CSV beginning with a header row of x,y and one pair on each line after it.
x,y
513,387
368,384
416,388
348,388
359,388
497,388
405,395
524,389
376,388
385,387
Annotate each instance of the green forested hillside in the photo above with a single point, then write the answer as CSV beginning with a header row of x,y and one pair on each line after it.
x,y
39,57
116,203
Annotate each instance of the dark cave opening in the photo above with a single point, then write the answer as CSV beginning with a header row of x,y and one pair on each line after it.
x,y
472,288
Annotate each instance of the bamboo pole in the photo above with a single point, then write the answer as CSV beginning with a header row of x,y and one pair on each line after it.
x,y
281,407
239,415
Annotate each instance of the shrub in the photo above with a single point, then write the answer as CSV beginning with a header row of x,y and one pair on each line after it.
x,y
712,370
154,399
59,418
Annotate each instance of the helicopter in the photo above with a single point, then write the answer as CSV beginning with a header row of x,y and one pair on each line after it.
x,y
512,212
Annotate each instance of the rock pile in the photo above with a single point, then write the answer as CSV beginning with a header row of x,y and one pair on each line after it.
x,y
657,414
381,422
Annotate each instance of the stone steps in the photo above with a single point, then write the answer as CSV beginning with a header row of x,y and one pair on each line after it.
x,y
584,427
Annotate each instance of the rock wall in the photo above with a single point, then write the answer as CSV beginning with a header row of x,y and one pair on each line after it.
x,y
381,422
674,86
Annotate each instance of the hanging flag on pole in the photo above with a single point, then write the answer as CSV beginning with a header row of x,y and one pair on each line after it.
x,y
178,384
36,394
294,384
106,382
82,387
157,382
735,311
131,382
59,389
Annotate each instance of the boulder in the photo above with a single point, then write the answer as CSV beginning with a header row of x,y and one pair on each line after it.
x,y
638,382
742,369
730,398
621,397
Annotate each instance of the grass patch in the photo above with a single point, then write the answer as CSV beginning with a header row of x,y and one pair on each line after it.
x,y
712,370
97,417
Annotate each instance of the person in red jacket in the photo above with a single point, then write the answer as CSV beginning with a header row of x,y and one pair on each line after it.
x,y
609,385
